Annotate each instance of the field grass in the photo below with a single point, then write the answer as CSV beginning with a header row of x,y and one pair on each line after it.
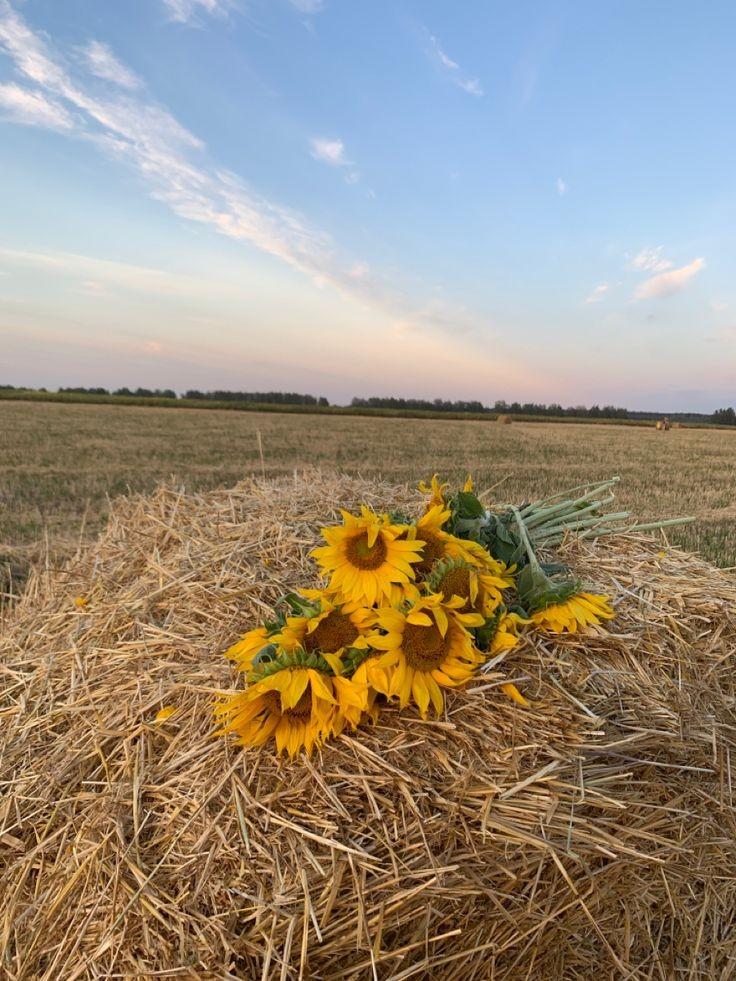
x,y
60,464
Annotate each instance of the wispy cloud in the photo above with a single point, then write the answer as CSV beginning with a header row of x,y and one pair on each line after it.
x,y
329,151
100,60
561,187
332,152
174,164
667,283
184,11
453,70
598,293
98,276
31,108
650,260
308,6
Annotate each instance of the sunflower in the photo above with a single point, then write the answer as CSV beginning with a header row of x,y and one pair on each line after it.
x,y
294,705
480,588
426,648
439,544
365,557
245,649
575,613
329,632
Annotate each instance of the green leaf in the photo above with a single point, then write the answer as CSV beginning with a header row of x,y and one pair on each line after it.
x,y
467,505
499,540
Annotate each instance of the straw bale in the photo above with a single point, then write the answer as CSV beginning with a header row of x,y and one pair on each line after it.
x,y
505,420
589,836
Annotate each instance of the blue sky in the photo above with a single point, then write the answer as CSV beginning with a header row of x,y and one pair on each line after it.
x,y
531,201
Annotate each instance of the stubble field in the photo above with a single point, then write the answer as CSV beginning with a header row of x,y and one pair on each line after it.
x,y
60,465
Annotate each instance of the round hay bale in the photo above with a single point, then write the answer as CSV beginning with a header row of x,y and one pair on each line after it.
x,y
591,835
505,420
679,425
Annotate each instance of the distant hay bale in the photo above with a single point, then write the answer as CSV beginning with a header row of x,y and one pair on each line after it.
x,y
679,425
591,835
504,420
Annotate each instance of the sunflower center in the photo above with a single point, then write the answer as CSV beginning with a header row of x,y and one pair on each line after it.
x,y
301,712
332,633
362,555
456,582
424,647
434,549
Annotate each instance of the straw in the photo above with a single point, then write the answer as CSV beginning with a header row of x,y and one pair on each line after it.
x,y
591,835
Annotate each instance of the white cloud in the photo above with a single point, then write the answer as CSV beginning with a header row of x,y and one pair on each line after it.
x,y
359,270
174,164
667,283
32,108
184,11
329,151
598,293
308,6
561,187
650,260
97,276
470,85
100,60
444,59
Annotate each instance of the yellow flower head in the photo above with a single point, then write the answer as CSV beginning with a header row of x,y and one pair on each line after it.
x,y
365,557
575,613
329,632
426,648
436,491
479,588
439,544
294,705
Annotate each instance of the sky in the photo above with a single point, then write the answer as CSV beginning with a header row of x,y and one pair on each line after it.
x,y
532,201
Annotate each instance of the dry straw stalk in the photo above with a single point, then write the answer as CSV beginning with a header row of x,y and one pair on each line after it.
x,y
590,836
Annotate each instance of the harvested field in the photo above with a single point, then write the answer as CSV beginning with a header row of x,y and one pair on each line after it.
x,y
591,835
60,464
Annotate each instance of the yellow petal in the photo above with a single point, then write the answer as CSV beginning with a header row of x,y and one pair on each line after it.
x,y
165,713
334,662
515,695
320,689
419,619
420,691
296,687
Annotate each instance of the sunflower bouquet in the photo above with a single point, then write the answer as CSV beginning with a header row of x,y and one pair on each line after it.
x,y
409,608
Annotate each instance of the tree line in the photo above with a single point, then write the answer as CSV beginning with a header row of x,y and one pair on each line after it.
x,y
268,398
723,417
499,407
